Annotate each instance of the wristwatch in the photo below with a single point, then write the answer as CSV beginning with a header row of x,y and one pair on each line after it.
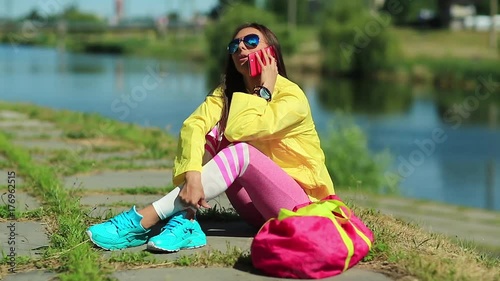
x,y
262,92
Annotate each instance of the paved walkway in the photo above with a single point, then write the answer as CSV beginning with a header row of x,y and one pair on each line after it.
x,y
100,197
476,225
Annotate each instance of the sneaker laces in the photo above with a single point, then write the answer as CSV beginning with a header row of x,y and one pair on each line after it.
x,y
174,222
122,220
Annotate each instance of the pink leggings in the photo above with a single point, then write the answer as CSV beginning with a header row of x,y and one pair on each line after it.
x,y
262,189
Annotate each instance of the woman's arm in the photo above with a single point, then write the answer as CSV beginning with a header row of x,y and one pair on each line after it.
x,y
252,117
191,146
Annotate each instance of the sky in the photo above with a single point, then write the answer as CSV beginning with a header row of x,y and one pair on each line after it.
x,y
105,8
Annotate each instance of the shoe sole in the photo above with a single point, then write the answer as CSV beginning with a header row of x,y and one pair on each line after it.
x,y
90,236
152,247
102,247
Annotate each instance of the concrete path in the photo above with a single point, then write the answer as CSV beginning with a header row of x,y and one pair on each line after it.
x,y
100,199
476,225
29,238
227,274
108,180
205,274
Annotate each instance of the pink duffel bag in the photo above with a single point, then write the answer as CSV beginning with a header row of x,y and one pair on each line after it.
x,y
315,240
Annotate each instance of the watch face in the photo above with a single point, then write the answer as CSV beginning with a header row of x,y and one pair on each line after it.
x,y
265,94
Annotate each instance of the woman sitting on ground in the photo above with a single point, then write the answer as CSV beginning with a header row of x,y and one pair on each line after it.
x,y
253,138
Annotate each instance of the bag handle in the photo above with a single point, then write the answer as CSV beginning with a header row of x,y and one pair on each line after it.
x,y
324,208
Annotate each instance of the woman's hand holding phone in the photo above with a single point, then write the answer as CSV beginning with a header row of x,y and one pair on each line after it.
x,y
269,72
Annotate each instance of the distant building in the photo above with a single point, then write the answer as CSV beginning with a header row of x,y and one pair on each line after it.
x,y
459,12
118,11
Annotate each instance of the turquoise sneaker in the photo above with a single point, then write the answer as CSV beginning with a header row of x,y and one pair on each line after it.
x,y
122,231
179,233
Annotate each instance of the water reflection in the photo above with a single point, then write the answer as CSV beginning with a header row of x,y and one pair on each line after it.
x,y
367,97
394,116
405,120
468,107
453,107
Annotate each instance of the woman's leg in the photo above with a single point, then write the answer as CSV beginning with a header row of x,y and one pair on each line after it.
x,y
269,187
237,195
242,203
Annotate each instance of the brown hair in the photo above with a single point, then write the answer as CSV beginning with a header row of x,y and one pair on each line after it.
x,y
232,80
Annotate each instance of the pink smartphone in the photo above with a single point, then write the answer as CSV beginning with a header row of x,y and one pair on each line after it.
x,y
253,62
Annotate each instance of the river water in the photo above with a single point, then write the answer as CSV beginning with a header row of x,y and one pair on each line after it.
x,y
444,143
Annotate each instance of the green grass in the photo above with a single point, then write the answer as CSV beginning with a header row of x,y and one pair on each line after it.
x,y
233,256
20,260
144,190
175,45
79,261
218,213
68,162
229,258
71,162
96,129
400,248
403,248
453,73
35,214
465,44
4,164
133,258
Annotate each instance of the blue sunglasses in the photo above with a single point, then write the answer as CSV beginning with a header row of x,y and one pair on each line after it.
x,y
251,41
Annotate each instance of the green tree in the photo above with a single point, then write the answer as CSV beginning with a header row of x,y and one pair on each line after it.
x,y
34,15
217,11
72,14
280,8
356,42
350,162
404,12
483,7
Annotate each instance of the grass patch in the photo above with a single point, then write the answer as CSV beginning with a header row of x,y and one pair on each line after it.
x,y
94,129
133,259
174,45
229,258
4,164
35,214
400,249
145,190
68,163
5,212
451,72
132,166
20,260
233,256
67,222
218,213
465,44
403,248
116,204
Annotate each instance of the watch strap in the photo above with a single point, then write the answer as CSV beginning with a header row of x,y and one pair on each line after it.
x,y
257,90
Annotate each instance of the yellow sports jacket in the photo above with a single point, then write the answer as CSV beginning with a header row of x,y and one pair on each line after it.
x,y
282,129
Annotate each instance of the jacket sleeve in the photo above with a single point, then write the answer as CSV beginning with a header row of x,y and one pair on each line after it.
x,y
251,117
191,144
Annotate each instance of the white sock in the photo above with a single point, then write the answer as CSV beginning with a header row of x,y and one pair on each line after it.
x,y
213,185
168,204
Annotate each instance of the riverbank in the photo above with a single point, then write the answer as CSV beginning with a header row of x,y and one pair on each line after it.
x,y
82,168
445,59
